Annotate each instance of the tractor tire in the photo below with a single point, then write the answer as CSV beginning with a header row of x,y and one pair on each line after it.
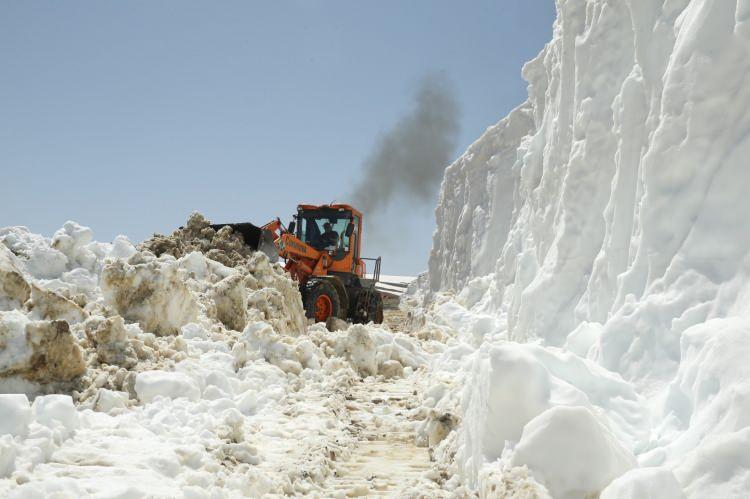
x,y
321,300
369,307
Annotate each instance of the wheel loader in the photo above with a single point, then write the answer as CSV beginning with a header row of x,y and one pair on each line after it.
x,y
330,270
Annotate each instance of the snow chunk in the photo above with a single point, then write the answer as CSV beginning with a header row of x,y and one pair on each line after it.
x,y
122,248
361,350
644,483
152,384
7,456
16,351
507,388
46,304
110,338
34,251
583,337
373,350
571,452
72,240
42,351
247,403
230,299
260,341
109,400
16,414
499,482
14,289
151,291
711,391
508,384
719,467
56,411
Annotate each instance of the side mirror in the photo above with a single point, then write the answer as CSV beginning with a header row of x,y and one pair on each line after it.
x,y
292,226
349,229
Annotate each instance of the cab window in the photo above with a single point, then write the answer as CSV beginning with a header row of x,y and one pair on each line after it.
x,y
311,229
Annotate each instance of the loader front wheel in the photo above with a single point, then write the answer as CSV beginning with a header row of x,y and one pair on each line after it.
x,y
323,308
321,300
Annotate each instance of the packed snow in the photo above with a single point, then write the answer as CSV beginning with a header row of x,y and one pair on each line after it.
x,y
590,265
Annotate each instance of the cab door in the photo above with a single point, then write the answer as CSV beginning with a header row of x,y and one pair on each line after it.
x,y
357,245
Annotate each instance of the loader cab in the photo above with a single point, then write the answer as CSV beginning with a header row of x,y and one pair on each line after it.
x,y
344,220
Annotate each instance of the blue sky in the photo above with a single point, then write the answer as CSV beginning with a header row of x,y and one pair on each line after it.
x,y
127,116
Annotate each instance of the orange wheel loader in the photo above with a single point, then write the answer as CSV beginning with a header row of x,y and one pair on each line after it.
x,y
322,250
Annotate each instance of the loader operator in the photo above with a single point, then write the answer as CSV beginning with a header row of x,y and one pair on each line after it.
x,y
330,237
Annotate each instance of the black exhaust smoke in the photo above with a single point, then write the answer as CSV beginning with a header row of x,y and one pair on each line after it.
x,y
407,163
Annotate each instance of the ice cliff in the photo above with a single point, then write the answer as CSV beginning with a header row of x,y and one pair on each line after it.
x,y
608,216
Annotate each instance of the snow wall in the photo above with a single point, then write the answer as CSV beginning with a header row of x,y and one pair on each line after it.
x,y
617,193
608,215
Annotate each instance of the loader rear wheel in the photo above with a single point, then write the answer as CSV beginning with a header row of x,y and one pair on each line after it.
x,y
369,307
376,309
321,300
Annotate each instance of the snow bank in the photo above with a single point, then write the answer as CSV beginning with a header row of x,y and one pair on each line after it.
x,y
605,217
174,375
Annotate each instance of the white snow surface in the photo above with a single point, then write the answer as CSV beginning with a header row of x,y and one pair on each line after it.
x,y
592,254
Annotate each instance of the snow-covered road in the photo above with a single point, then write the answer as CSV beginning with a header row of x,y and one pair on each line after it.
x,y
384,460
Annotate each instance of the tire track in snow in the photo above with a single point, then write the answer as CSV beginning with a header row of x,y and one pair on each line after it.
x,y
385,458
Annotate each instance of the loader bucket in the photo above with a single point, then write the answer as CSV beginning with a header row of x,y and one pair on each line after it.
x,y
257,238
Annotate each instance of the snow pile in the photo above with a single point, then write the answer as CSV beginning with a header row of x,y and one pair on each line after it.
x,y
222,246
604,220
170,375
259,340
373,351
